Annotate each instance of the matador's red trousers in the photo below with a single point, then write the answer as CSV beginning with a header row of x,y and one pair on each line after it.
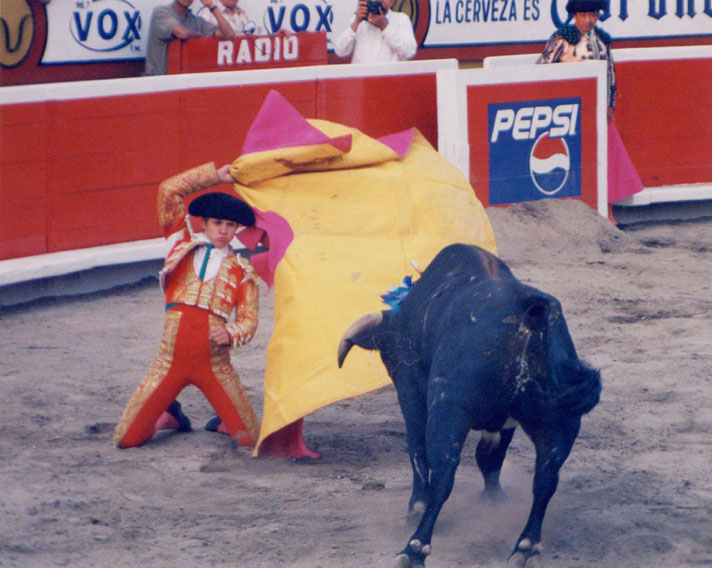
x,y
186,356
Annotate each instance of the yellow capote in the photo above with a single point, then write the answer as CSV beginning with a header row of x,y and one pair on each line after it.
x,y
359,219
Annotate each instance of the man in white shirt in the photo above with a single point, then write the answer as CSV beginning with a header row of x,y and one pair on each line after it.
x,y
235,16
377,35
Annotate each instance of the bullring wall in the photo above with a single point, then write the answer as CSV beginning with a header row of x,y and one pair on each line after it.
x,y
80,162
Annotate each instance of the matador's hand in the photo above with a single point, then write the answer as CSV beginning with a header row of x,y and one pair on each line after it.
x,y
219,335
224,174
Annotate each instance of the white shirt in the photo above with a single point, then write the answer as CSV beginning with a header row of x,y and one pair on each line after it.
x,y
371,45
238,19
217,255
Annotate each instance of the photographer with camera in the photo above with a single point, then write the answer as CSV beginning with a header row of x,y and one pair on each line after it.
x,y
377,34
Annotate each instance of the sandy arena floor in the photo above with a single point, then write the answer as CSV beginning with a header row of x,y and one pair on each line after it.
x,y
636,491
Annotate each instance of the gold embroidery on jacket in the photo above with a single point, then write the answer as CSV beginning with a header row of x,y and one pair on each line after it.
x,y
245,325
171,194
220,294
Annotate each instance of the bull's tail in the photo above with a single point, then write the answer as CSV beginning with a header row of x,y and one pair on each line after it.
x,y
577,395
568,387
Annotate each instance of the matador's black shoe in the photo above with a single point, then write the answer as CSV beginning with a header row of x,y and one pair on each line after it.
x,y
213,424
183,421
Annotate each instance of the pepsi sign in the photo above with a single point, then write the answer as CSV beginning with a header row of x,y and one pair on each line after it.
x,y
534,150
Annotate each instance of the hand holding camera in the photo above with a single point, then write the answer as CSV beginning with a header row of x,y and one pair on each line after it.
x,y
375,7
371,11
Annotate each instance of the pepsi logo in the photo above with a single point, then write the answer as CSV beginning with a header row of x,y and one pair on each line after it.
x,y
549,164
534,150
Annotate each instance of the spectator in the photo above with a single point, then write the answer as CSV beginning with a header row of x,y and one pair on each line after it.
x,y
235,16
377,34
584,41
204,281
176,21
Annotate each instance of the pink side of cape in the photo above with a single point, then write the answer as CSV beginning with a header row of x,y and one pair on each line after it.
x,y
272,231
399,142
279,125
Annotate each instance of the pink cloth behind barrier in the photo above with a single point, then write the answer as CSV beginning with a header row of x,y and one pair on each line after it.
x,y
623,179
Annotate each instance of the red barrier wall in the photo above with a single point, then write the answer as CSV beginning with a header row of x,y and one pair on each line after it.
x,y
23,179
82,173
664,116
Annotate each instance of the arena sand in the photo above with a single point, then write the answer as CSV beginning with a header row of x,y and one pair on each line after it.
x,y
636,490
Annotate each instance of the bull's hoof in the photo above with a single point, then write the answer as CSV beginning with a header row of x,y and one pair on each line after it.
x,y
416,513
525,554
419,548
495,496
414,555
403,561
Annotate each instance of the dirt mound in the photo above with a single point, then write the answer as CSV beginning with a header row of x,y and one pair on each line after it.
x,y
527,230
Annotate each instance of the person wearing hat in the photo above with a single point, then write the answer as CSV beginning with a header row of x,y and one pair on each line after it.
x,y
582,41
204,281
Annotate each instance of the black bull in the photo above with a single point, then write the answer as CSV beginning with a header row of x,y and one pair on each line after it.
x,y
472,348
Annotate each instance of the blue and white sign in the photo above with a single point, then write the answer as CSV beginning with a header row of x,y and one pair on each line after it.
x,y
492,22
80,31
97,30
534,150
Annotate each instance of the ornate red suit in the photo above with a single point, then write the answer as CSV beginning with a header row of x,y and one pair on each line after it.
x,y
186,354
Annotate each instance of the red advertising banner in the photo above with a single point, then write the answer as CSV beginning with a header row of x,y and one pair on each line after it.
x,y
247,52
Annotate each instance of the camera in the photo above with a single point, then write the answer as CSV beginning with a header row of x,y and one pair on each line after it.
x,y
375,7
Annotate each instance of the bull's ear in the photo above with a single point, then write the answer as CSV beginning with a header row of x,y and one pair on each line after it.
x,y
364,332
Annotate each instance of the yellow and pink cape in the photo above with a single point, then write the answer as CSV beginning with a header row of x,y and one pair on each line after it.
x,y
358,211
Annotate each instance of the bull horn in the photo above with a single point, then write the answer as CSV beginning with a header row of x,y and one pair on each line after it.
x,y
363,323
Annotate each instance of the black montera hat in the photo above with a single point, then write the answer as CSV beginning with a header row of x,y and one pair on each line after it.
x,y
573,6
220,205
